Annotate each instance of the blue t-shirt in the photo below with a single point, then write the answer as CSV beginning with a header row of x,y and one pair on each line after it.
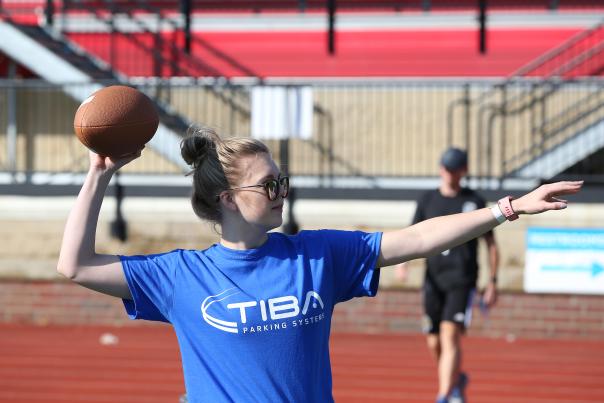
x,y
253,325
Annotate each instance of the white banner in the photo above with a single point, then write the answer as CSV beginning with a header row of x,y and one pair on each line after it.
x,y
282,112
560,260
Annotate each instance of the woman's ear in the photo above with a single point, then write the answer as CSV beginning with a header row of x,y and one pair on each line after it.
x,y
227,201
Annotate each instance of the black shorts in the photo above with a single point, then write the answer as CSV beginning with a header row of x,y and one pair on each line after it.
x,y
453,305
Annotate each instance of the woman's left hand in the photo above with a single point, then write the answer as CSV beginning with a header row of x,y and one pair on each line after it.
x,y
546,197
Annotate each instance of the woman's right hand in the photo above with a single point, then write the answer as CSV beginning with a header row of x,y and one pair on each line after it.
x,y
110,165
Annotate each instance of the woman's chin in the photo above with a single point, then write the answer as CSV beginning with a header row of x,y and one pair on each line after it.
x,y
275,223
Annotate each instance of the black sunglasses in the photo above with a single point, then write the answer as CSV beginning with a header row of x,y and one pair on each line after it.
x,y
272,187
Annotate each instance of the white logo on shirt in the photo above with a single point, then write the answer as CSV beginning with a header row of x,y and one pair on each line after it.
x,y
278,308
468,206
459,317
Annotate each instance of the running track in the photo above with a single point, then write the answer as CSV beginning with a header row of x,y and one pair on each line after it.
x,y
69,364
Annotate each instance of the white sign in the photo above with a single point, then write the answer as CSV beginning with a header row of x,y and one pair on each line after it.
x,y
561,260
282,112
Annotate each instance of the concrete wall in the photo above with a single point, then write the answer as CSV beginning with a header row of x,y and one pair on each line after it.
x,y
517,315
31,230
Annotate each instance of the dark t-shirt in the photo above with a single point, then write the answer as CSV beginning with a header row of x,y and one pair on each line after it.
x,y
458,266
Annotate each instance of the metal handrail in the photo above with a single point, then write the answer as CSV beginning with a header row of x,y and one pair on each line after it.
x,y
155,53
527,68
552,54
580,59
548,135
545,135
490,108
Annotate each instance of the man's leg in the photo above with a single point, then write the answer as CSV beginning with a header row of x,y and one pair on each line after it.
x,y
433,308
457,315
450,356
433,342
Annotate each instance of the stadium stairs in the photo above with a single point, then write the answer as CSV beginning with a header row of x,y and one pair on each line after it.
x,y
56,59
568,137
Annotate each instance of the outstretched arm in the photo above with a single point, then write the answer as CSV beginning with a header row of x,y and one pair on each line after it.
x,y
441,233
78,259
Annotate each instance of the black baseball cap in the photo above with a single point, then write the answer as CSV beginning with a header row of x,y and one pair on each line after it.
x,y
454,159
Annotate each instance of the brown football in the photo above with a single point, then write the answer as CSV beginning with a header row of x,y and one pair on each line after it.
x,y
116,120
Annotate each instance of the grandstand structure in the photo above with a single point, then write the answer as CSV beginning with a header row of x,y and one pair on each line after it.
x,y
406,80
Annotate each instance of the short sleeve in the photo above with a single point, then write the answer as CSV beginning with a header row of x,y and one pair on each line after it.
x,y
354,256
481,203
151,282
420,215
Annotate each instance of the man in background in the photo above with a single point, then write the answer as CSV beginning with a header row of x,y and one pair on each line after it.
x,y
451,277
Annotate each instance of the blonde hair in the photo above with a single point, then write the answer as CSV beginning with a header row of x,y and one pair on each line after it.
x,y
215,166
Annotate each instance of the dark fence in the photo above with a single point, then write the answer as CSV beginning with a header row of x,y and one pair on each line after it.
x,y
532,128
365,134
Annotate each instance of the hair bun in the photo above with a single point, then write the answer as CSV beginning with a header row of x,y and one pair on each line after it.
x,y
198,145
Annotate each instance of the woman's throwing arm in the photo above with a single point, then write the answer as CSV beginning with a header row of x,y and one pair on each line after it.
x,y
78,259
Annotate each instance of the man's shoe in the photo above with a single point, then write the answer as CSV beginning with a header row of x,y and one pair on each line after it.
x,y
458,393
442,400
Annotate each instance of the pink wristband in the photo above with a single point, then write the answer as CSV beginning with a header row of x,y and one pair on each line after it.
x,y
505,205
